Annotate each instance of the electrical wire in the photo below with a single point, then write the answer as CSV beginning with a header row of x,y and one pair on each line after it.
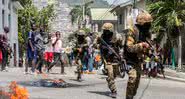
x,y
106,12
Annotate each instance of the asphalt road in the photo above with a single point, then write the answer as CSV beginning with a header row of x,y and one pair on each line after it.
x,y
93,86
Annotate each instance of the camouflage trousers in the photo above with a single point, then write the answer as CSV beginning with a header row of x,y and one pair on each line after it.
x,y
79,68
133,81
111,76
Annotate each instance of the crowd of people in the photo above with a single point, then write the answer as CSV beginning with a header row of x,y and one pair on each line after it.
x,y
89,51
43,50
46,51
153,61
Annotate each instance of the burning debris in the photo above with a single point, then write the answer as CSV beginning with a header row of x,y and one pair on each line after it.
x,y
59,83
14,92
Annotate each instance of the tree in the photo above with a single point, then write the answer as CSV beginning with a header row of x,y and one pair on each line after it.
x,y
46,15
77,13
169,15
29,15
25,3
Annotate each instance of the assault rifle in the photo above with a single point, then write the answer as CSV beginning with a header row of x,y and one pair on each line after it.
x,y
122,62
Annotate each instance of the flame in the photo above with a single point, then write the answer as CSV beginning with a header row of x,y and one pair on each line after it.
x,y
15,92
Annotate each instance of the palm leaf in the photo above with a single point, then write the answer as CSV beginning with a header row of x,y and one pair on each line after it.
x,y
167,14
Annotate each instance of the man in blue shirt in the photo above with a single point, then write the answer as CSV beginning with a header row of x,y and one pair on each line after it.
x,y
31,48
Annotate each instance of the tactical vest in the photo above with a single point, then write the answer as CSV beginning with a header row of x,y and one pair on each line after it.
x,y
105,51
131,58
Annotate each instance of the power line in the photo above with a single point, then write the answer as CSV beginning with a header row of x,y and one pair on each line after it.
x,y
108,10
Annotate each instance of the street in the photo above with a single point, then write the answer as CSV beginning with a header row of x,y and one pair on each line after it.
x,y
86,35
93,86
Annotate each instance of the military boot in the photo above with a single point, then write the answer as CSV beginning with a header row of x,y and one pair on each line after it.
x,y
113,95
129,97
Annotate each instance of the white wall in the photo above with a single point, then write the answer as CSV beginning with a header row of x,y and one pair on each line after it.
x,y
125,12
13,34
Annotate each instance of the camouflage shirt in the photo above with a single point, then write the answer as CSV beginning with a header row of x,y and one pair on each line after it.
x,y
132,50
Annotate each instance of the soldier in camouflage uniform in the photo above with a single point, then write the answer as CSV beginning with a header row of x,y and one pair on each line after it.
x,y
80,48
133,51
110,60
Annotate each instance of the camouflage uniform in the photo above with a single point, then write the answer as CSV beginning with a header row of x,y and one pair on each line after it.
x,y
81,47
110,59
133,54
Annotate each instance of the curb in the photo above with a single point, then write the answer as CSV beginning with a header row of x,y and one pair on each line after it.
x,y
172,78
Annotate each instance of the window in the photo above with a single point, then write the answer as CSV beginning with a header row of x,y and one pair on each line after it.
x,y
9,5
120,19
3,1
3,18
9,20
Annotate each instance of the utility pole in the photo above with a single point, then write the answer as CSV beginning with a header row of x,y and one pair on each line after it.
x,y
134,11
83,17
134,6
84,11
180,51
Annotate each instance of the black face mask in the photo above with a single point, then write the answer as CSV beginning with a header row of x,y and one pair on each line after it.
x,y
144,31
107,35
81,38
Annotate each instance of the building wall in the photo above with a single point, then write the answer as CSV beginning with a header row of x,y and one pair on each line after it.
x,y
62,21
125,12
10,20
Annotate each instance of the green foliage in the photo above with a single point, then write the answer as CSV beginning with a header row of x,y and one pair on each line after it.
x,y
20,38
77,13
87,30
29,15
25,3
46,15
168,14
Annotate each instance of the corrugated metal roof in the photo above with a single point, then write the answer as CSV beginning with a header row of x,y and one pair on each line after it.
x,y
96,4
119,2
123,4
102,14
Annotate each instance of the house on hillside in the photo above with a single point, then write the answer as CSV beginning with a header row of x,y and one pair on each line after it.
x,y
9,18
99,16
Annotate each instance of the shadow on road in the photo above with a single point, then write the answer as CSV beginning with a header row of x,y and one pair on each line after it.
x,y
76,80
106,93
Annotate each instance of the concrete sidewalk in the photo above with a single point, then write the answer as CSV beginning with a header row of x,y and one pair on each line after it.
x,y
174,75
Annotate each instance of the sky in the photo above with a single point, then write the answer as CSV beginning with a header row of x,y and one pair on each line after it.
x,y
117,1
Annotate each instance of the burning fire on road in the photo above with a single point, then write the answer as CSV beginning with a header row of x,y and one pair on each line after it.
x,y
14,92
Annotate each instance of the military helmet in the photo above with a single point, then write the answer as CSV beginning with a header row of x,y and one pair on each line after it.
x,y
108,26
81,32
143,17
